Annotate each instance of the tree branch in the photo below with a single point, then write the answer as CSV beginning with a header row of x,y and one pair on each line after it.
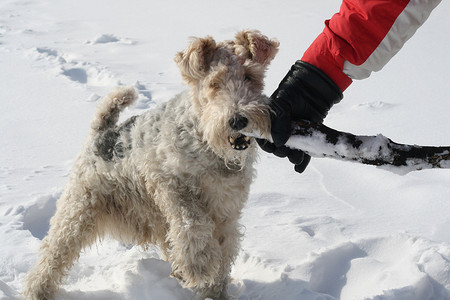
x,y
319,140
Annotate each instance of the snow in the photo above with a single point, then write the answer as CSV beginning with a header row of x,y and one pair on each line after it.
x,y
338,231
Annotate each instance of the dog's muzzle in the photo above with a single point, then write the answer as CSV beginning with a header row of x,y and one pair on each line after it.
x,y
240,142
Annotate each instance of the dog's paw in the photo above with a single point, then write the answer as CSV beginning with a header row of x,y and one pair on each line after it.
x,y
201,270
216,292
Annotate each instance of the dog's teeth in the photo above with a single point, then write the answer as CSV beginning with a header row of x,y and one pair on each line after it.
x,y
240,142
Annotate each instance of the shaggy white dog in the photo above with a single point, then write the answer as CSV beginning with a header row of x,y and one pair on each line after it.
x,y
176,176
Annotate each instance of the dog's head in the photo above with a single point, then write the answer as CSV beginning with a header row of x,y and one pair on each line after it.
x,y
226,81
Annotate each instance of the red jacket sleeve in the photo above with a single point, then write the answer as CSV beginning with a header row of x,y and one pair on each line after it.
x,y
364,36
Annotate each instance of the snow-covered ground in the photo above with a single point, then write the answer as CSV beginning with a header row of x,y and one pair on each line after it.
x,y
339,231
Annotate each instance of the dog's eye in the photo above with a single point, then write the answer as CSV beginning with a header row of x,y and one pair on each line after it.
x,y
247,78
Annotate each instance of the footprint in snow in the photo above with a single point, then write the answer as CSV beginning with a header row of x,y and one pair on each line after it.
x,y
76,74
320,227
36,218
86,73
74,70
329,269
49,54
109,38
145,96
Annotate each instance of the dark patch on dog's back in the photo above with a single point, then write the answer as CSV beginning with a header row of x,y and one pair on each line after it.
x,y
107,145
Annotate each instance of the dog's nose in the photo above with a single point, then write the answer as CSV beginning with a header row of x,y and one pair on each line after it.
x,y
238,122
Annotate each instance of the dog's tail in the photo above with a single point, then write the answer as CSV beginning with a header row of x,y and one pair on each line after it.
x,y
110,106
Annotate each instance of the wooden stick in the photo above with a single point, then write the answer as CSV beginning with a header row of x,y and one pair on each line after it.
x,y
319,140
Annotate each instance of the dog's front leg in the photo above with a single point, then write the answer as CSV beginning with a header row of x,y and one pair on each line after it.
x,y
194,253
228,235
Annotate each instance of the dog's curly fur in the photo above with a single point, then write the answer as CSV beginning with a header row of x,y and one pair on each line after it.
x,y
176,176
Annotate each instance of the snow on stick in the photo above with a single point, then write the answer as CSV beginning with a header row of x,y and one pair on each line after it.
x,y
319,140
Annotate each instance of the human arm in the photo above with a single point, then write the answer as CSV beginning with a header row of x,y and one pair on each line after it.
x,y
358,40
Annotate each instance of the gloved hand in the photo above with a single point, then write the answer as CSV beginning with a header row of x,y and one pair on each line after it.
x,y
304,93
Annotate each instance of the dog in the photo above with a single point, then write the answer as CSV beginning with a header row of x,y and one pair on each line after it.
x,y
176,177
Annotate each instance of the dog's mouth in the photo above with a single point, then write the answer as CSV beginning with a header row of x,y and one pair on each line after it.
x,y
240,142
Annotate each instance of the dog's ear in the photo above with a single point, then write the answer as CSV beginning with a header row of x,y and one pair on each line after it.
x,y
251,44
194,61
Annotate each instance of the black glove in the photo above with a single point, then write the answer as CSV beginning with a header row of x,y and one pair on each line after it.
x,y
304,93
